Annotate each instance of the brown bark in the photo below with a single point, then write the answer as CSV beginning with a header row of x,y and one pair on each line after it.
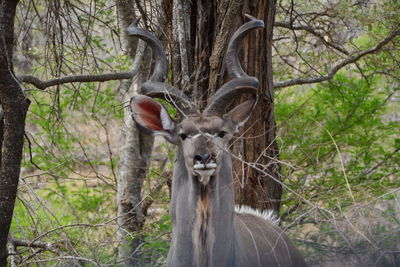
x,y
259,146
212,24
135,153
15,106
228,17
181,56
1,131
204,36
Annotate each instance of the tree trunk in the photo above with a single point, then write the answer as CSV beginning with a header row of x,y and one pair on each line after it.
x,y
15,107
259,146
135,151
211,25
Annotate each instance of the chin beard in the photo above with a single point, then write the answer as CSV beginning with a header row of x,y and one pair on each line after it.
x,y
204,176
204,180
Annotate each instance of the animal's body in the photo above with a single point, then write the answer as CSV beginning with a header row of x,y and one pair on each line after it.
x,y
206,229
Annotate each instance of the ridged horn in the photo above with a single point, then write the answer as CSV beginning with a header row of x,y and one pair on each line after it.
x,y
232,54
228,92
241,83
160,67
156,87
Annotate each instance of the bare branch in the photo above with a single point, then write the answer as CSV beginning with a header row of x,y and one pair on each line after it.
x,y
369,170
26,243
75,78
311,30
84,78
335,69
33,244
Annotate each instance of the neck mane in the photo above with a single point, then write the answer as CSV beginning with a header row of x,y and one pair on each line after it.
x,y
202,217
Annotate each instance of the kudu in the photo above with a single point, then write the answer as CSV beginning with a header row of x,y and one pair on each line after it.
x,y
206,229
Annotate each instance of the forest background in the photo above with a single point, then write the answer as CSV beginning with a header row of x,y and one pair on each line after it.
x,y
86,194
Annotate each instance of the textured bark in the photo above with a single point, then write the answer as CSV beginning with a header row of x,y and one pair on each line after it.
x,y
252,187
15,106
134,154
126,14
182,35
203,32
181,52
1,131
212,23
134,163
229,15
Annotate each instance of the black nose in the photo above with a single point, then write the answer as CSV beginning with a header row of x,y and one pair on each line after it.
x,y
203,158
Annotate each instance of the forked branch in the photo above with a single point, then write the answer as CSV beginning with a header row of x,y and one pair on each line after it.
x,y
336,68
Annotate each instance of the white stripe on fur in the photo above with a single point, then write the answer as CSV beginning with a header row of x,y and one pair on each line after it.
x,y
267,215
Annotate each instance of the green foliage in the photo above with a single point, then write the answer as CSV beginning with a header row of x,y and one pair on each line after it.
x,y
342,146
157,240
338,143
68,134
347,113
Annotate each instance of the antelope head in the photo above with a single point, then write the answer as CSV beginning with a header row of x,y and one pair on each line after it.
x,y
203,136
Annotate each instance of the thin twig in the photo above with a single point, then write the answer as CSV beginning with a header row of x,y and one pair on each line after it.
x,y
339,66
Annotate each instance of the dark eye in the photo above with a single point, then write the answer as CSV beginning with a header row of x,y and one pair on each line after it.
x,y
182,136
221,134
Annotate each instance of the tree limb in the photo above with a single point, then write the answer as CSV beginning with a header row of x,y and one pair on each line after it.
x,y
311,30
83,78
54,248
40,84
335,69
33,244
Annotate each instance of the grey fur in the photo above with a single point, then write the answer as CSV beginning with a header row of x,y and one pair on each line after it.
x,y
232,239
206,230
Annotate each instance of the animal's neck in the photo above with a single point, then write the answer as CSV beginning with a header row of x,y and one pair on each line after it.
x,y
203,233
203,217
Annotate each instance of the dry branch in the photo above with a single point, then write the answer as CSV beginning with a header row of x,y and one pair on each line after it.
x,y
40,84
335,69
311,30
33,244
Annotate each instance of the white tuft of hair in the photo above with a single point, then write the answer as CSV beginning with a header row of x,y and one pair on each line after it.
x,y
267,215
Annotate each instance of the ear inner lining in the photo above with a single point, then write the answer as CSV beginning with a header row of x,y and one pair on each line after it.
x,y
149,114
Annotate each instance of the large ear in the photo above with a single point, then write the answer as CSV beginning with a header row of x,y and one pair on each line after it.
x,y
151,117
241,113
